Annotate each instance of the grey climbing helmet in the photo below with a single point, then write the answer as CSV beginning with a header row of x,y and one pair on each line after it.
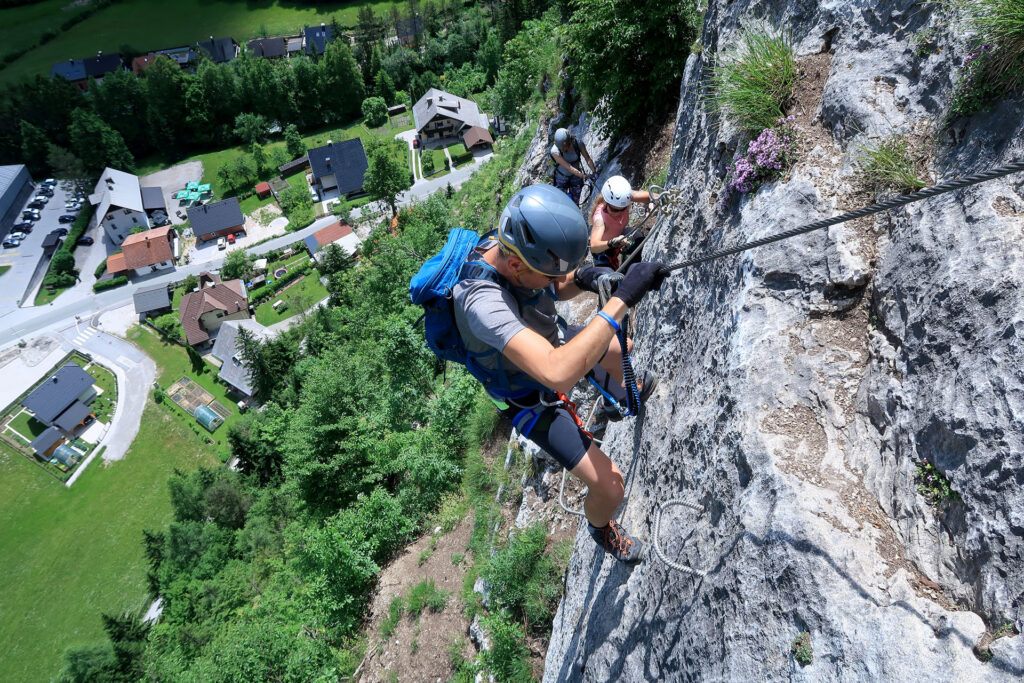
x,y
562,137
545,228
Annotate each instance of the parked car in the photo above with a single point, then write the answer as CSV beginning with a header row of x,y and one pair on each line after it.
x,y
315,197
36,204
17,236
49,182
72,205
231,238
10,244
84,240
45,191
30,214
24,226
221,244
41,198
62,232
67,218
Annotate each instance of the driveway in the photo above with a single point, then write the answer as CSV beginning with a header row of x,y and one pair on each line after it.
x,y
170,181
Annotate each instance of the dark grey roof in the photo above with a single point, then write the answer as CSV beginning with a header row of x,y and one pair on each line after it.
x,y
268,47
57,392
294,164
73,416
46,440
312,244
345,159
218,49
52,239
151,299
226,349
215,216
440,103
317,38
153,198
71,69
101,65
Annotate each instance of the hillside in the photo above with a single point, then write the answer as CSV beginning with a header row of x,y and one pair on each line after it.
x,y
817,393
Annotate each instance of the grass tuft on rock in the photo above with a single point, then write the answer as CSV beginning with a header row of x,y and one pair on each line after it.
x,y
753,84
889,165
802,651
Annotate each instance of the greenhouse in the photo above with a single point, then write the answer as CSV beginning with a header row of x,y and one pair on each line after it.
x,y
206,416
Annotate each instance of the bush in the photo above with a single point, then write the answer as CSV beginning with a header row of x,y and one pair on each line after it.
x,y
375,111
753,84
170,325
100,269
525,580
888,165
509,658
118,281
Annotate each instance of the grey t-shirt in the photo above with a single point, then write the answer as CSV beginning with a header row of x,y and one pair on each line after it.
x,y
489,315
571,155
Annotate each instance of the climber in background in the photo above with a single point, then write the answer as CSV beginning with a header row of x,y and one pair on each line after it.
x,y
609,219
502,306
568,154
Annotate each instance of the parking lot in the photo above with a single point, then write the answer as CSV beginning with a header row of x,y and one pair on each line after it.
x,y
27,256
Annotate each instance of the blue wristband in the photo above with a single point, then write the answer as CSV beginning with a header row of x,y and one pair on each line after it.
x,y
609,319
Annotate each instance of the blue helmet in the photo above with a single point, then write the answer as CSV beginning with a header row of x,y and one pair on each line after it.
x,y
545,228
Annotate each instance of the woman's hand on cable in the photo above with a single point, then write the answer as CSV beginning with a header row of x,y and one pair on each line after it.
x,y
616,242
641,277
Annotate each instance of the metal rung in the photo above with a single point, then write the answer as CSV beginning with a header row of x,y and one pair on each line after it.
x,y
657,534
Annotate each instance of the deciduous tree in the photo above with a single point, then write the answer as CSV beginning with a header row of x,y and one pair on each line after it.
x,y
375,111
386,177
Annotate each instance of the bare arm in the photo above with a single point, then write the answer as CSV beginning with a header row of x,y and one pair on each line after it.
x,y
559,368
597,242
567,166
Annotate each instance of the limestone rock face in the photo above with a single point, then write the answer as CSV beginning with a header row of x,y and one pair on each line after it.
x,y
803,384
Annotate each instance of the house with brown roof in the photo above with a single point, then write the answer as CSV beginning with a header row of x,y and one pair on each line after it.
x,y
203,312
144,252
340,233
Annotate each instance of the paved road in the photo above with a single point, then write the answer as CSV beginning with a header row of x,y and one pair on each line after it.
x,y
28,322
24,258
23,323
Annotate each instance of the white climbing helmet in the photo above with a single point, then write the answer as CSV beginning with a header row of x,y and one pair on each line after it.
x,y
617,191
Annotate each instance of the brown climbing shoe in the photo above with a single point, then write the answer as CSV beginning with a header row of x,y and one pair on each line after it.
x,y
616,542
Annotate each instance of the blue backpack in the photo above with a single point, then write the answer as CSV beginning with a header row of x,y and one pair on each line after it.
x,y
432,287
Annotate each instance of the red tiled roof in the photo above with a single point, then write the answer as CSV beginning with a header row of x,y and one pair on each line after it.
x,y
148,247
262,187
229,297
140,64
116,264
332,233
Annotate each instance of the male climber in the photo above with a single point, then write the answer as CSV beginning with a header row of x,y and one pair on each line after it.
x,y
508,310
568,154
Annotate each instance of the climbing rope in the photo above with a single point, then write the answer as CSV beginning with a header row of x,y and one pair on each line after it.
x,y
896,202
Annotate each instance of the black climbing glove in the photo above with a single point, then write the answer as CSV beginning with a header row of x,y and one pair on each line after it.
x,y
641,277
587,276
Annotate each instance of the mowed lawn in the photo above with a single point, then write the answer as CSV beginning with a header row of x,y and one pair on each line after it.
x,y
157,24
23,26
68,555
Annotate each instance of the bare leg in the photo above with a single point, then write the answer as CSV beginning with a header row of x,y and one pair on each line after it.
x,y
606,486
612,361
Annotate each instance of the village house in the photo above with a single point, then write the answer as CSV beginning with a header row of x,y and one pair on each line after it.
x,y
203,312
121,204
144,252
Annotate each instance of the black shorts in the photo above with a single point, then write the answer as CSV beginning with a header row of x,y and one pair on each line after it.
x,y
552,427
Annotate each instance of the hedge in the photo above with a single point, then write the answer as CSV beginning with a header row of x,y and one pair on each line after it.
x,y
101,268
78,228
118,281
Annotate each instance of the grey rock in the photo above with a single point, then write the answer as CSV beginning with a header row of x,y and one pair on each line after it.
x,y
478,635
480,586
802,382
